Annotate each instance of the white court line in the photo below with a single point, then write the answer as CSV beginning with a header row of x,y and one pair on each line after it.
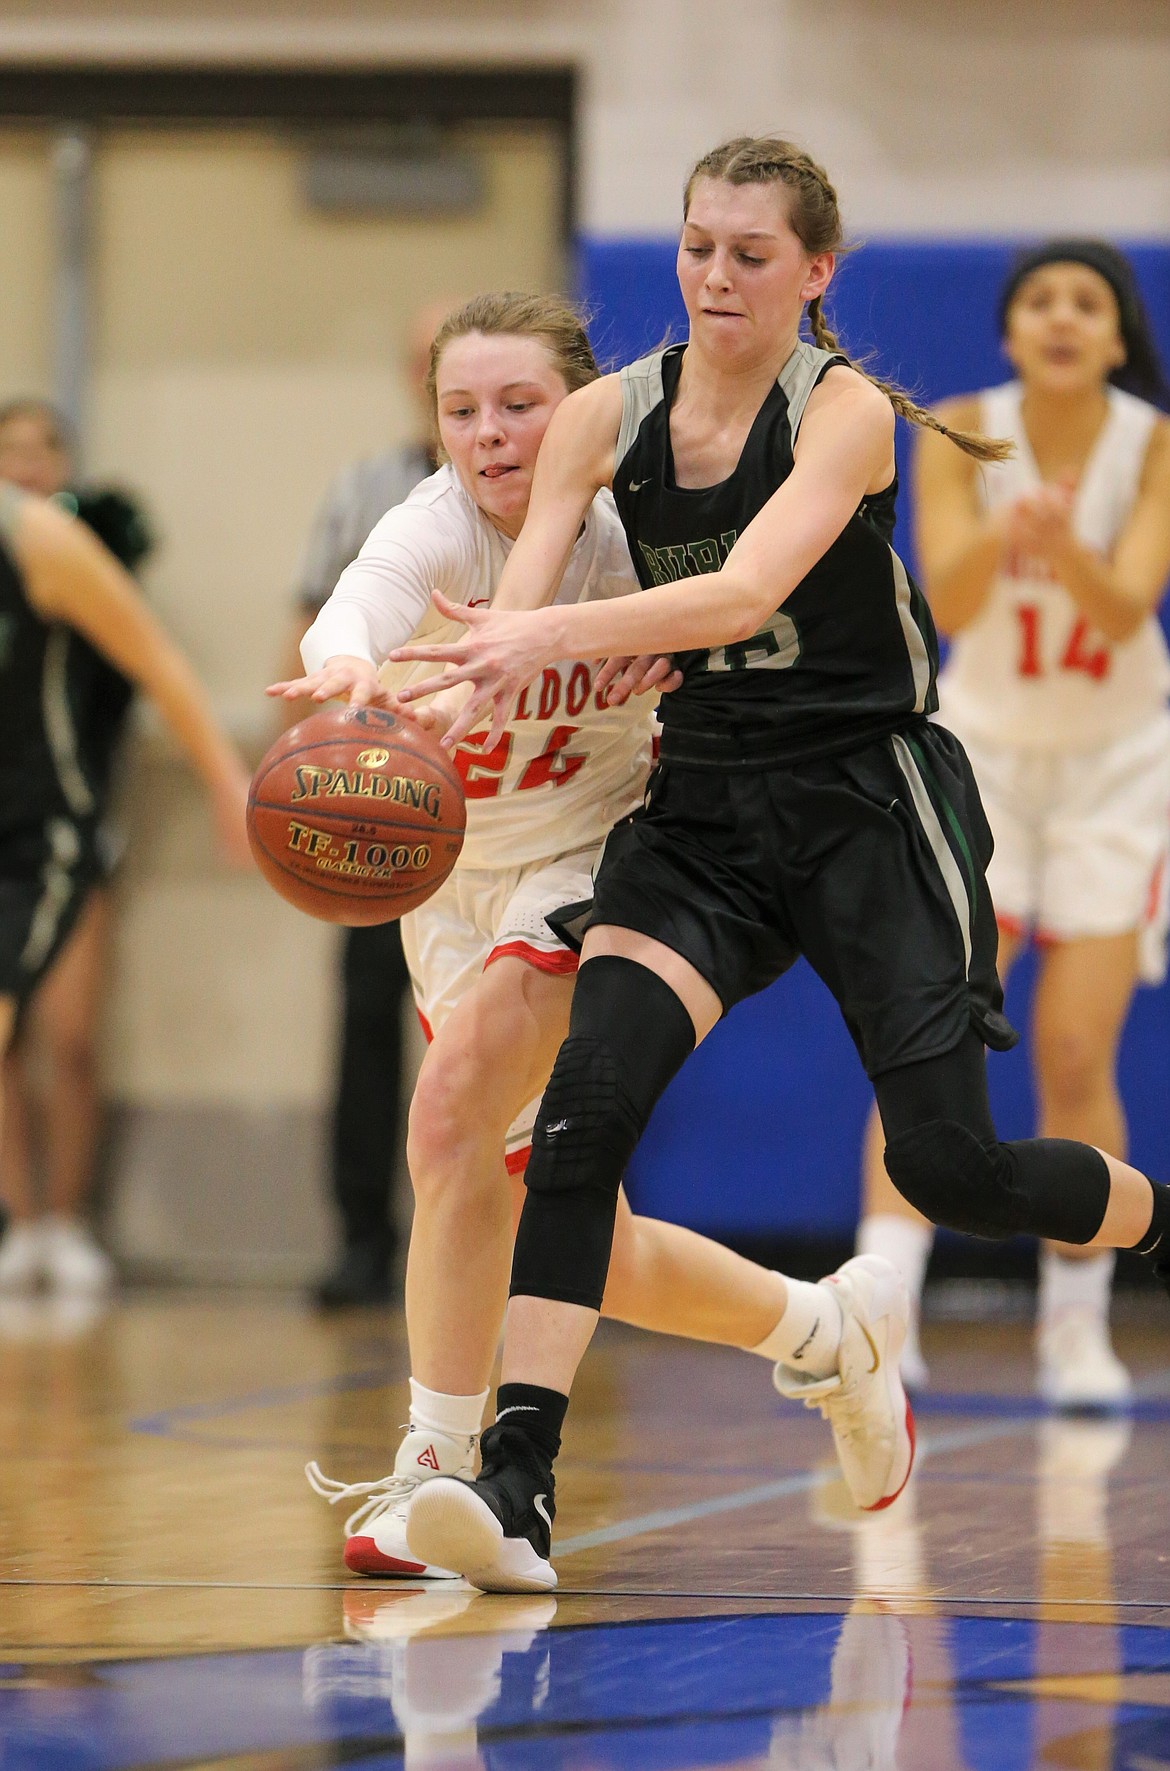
x,y
929,1445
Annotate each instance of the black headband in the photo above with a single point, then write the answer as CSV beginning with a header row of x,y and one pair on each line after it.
x,y
1097,256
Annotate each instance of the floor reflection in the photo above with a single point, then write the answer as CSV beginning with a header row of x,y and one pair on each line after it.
x,y
456,1681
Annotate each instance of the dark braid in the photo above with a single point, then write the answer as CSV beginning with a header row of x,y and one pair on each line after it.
x,y
971,442
816,221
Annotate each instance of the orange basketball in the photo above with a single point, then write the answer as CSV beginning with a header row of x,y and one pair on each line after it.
x,y
356,815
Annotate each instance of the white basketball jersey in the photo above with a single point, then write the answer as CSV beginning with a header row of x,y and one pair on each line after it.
x,y
568,766
1031,669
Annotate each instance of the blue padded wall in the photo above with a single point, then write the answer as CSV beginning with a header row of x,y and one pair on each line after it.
x,y
759,1135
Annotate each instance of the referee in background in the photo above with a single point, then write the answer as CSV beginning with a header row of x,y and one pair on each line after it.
x,y
365,1121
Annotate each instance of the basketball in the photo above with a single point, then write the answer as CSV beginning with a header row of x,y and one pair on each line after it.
x,y
356,816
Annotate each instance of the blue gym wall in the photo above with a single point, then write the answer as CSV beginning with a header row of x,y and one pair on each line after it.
x,y
760,1134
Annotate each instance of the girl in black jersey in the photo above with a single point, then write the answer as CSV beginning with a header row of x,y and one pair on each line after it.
x,y
57,579
51,1080
804,804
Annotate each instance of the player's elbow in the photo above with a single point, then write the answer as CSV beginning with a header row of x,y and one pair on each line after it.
x,y
747,603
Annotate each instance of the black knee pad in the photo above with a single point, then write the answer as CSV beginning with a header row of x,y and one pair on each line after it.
x,y
588,1123
628,1035
1045,1186
955,1180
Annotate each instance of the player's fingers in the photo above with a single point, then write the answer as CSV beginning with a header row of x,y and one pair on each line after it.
x,y
656,671
611,668
456,652
458,611
429,685
672,682
622,687
336,683
640,674
499,722
470,715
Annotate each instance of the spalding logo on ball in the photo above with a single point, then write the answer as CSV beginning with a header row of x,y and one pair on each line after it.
x,y
356,815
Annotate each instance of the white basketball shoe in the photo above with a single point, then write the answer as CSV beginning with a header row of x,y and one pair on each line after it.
x,y
375,1534
22,1257
73,1260
1078,1368
864,1401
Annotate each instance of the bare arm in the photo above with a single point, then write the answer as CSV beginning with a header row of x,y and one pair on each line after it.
x,y
845,449
959,544
72,578
575,461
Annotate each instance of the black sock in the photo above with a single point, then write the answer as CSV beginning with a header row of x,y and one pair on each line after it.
x,y
1156,1241
537,1413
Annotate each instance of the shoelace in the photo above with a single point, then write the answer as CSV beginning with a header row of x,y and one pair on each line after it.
x,y
382,1496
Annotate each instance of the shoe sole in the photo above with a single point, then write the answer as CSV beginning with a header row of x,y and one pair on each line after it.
x,y
362,1556
895,1341
449,1525
1099,1404
888,1500
1054,1388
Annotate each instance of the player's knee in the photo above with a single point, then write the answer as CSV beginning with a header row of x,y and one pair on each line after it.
x,y
450,1117
1072,1067
588,1122
957,1180
628,1035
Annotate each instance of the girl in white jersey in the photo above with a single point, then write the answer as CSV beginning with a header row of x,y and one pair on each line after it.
x,y
492,982
1047,570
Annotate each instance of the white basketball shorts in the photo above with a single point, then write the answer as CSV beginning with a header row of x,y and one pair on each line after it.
x,y
1081,838
478,916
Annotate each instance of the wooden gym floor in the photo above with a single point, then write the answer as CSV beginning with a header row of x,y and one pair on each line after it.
x,y
171,1593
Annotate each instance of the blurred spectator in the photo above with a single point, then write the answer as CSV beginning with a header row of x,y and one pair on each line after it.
x,y
366,1116
51,1082
72,711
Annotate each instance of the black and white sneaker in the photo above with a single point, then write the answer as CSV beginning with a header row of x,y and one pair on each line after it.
x,y
496,1531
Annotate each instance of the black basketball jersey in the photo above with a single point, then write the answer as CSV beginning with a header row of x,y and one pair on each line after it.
x,y
44,771
850,656
100,697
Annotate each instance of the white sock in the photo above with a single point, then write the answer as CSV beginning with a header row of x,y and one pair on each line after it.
x,y
433,1412
902,1242
808,1335
1075,1285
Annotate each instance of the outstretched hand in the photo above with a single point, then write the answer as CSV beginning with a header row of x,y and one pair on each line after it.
x,y
352,679
502,651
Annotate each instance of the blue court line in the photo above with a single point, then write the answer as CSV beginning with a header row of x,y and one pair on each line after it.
x,y
167,1419
975,1402
665,1517
1014,1414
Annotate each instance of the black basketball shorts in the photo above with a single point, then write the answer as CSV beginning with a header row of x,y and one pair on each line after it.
x,y
870,864
47,872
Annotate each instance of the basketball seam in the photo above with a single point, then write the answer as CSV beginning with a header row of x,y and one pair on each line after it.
x,y
287,811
